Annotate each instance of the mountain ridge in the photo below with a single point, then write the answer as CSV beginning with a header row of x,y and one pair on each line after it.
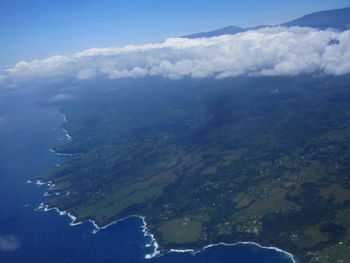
x,y
334,18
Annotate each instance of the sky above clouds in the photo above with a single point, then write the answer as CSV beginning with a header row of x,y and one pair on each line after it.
x,y
264,52
38,29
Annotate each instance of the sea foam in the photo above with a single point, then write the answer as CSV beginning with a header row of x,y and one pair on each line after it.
x,y
145,229
194,252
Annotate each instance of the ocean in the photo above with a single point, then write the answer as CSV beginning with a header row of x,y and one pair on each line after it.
x,y
28,130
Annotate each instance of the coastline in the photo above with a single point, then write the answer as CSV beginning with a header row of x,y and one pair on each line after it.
x,y
45,208
69,138
194,252
153,242
63,154
146,231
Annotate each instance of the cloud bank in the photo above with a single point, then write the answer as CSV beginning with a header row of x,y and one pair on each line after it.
x,y
263,52
62,97
9,243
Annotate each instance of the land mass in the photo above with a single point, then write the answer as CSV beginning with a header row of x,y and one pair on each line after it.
x,y
263,159
338,19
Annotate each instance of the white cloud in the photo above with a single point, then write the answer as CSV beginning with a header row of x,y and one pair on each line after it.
x,y
63,97
9,243
267,51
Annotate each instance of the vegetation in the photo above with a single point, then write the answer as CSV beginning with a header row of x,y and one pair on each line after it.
x,y
242,159
183,230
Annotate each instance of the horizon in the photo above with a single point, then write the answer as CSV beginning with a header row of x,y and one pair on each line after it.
x,y
213,137
41,30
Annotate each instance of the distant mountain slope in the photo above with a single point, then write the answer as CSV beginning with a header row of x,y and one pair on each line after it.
x,y
223,31
218,32
336,18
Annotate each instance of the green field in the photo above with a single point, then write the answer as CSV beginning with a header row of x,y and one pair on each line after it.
x,y
209,161
182,230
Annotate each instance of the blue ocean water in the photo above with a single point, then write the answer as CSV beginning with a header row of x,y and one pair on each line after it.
x,y
27,132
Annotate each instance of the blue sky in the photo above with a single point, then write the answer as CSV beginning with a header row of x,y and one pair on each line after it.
x,y
35,29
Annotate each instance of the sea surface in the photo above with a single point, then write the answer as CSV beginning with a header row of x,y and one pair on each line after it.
x,y
28,129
